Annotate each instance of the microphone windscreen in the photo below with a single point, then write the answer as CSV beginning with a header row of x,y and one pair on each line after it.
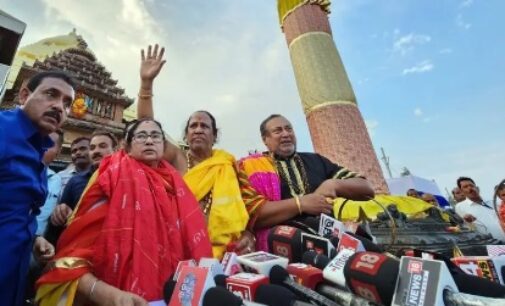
x,y
334,240
278,275
319,261
286,241
308,257
220,280
168,290
220,296
274,295
368,244
472,284
372,276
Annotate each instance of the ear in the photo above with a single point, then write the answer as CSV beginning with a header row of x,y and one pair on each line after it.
x,y
24,93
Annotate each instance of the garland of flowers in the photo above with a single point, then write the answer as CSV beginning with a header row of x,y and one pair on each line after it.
x,y
79,107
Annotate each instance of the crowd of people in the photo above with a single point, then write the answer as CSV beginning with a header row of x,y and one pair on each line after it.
x,y
487,216
112,227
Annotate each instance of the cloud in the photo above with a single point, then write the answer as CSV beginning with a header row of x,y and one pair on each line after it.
x,y
408,42
446,51
421,67
466,3
418,112
461,23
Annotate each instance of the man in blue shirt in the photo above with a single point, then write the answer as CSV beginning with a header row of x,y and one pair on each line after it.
x,y
23,179
53,183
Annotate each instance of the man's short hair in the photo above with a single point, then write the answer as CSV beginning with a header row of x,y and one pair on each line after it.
x,y
35,80
463,178
79,139
263,125
111,136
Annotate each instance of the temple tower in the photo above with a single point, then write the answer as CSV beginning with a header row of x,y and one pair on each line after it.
x,y
336,126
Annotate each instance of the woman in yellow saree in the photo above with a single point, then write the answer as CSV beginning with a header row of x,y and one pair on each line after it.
x,y
210,173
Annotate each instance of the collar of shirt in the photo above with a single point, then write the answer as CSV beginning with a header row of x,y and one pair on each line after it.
x,y
50,172
30,131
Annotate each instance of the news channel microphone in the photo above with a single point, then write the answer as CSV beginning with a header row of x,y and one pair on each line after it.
x,y
261,262
305,275
275,295
416,282
319,261
285,241
329,226
230,263
488,267
218,296
214,266
191,285
318,244
245,284
279,276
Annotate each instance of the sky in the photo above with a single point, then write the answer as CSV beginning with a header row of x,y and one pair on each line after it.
x,y
428,75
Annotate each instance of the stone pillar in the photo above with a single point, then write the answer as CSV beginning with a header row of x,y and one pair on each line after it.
x,y
336,126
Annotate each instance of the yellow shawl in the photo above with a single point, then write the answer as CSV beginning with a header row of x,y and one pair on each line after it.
x,y
228,216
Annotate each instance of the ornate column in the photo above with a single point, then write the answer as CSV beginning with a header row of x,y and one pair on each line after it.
x,y
336,126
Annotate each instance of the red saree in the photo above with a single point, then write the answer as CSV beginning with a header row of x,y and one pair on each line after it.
x,y
132,226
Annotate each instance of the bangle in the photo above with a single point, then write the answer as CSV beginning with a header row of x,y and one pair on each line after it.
x,y
93,288
298,204
145,96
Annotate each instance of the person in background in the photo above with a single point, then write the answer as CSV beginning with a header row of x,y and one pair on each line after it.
x,y
428,197
458,195
135,221
102,144
79,152
500,193
413,193
475,210
24,139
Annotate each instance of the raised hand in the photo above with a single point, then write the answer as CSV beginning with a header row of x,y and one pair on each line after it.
x,y
151,64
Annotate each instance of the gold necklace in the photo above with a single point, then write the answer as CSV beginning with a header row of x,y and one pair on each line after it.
x,y
302,185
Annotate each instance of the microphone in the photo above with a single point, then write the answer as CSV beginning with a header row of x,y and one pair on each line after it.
x,y
305,275
168,289
319,244
372,276
220,280
181,264
334,271
312,278
212,264
482,266
245,285
230,263
279,276
329,226
261,262
349,242
285,241
368,245
317,260
191,285
275,295
218,296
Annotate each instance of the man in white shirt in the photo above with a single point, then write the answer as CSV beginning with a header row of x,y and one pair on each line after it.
x,y
475,209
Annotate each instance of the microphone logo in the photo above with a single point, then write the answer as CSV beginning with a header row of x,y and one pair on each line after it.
x,y
187,290
415,266
286,231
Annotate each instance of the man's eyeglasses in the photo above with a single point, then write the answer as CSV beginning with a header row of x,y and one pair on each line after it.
x,y
141,137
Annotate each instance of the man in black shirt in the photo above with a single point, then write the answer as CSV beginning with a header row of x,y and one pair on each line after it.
x,y
102,144
308,181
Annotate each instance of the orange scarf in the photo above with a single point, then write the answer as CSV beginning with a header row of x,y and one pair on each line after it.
x,y
133,225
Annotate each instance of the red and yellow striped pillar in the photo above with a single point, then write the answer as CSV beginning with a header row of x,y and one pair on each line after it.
x,y
336,126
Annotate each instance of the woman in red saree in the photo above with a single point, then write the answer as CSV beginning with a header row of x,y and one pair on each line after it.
x,y
135,221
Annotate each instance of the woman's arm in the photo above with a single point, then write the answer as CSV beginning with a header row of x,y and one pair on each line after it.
x,y
150,66
98,292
